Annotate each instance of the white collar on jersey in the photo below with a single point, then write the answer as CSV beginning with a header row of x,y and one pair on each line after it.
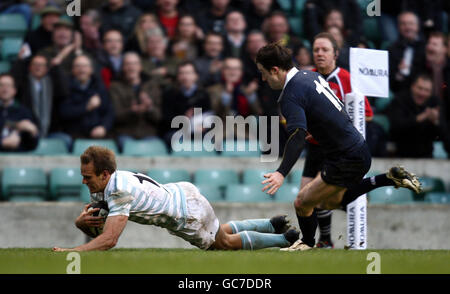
x,y
291,73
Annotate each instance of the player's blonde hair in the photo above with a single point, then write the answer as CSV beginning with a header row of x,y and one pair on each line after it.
x,y
102,158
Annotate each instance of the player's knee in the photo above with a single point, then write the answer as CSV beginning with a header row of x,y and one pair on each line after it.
x,y
299,202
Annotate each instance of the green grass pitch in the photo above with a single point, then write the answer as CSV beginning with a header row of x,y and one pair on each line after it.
x,y
192,261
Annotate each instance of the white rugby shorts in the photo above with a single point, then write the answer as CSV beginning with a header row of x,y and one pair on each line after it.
x,y
202,224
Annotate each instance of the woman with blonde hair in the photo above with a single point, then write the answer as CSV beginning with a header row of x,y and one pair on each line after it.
x,y
138,42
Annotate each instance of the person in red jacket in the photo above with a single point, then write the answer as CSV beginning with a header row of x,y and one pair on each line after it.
x,y
325,54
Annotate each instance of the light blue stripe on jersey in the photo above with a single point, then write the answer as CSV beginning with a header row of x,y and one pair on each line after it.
x,y
183,200
140,207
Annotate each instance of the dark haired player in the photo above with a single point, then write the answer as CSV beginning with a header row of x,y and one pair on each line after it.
x,y
311,108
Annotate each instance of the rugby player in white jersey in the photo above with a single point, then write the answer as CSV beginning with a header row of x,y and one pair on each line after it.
x,y
178,207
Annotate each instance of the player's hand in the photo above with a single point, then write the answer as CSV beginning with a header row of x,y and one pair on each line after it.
x,y
87,220
57,249
274,181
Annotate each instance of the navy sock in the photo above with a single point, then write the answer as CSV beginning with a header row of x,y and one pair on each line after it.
x,y
308,226
366,185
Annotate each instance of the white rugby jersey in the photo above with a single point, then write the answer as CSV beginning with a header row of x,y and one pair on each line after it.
x,y
145,201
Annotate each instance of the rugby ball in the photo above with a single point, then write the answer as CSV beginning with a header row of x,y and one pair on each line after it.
x,y
103,212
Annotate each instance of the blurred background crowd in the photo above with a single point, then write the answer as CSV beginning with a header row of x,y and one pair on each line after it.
x,y
124,69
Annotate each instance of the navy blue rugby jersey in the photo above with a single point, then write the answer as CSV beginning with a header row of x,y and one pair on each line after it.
x,y
307,102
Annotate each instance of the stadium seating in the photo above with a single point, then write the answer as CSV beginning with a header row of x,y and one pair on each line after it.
x,y
193,149
439,151
383,121
50,147
211,192
5,66
438,198
246,193
65,184
287,193
295,176
253,176
165,176
10,48
12,25
24,184
216,177
363,5
382,103
432,184
155,147
35,21
390,195
294,11
371,30
241,148
82,144
85,195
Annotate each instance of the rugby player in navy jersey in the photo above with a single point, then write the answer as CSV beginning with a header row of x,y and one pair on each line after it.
x,y
325,53
311,108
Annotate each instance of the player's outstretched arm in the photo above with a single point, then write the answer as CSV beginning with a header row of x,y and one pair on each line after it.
x,y
292,151
108,239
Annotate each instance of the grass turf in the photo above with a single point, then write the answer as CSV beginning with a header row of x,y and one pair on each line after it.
x,y
192,261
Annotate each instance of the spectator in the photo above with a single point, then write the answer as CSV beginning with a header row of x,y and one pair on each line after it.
x,y
41,89
335,18
42,36
231,96
209,65
137,102
212,18
19,132
406,54
438,64
235,26
276,28
16,6
87,112
267,97
110,58
345,12
255,41
259,11
168,16
430,16
118,15
156,63
343,59
303,58
181,99
67,44
186,43
146,22
90,24
416,119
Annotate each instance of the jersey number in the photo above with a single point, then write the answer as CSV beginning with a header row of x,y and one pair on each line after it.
x,y
142,178
324,88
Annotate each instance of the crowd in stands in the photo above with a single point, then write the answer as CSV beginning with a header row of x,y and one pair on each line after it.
x,y
124,69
